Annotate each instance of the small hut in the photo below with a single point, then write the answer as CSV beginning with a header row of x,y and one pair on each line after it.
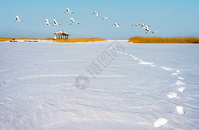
x,y
61,35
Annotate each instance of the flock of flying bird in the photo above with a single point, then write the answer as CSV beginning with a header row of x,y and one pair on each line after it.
x,y
144,26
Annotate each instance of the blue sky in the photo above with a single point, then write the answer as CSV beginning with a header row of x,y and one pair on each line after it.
x,y
170,18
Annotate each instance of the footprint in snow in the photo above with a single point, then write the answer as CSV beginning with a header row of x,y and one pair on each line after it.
x,y
180,110
181,78
160,122
166,68
176,73
1,83
181,89
9,99
146,63
132,56
178,82
172,95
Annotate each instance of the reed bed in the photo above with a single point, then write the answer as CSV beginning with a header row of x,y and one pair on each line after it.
x,y
139,39
3,39
73,40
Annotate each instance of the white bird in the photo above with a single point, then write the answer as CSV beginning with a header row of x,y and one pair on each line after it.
x,y
55,22
96,13
141,24
116,25
68,11
149,31
73,21
18,20
106,18
46,22
135,25
146,27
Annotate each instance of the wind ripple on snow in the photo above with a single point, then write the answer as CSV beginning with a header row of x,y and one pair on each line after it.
x,y
44,76
53,75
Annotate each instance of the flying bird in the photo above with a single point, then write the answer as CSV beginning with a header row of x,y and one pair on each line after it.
x,y
55,22
73,21
141,24
149,31
116,25
96,13
68,11
18,20
46,22
106,18
136,25
144,26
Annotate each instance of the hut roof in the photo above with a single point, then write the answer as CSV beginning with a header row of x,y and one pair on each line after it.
x,y
61,33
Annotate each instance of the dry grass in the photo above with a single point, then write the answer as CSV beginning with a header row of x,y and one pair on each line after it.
x,y
138,39
4,39
73,40
25,39
57,40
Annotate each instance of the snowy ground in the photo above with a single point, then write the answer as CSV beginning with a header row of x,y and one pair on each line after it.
x,y
138,87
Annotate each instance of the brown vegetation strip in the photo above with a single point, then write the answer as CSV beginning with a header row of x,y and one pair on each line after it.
x,y
57,40
25,39
80,40
138,39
